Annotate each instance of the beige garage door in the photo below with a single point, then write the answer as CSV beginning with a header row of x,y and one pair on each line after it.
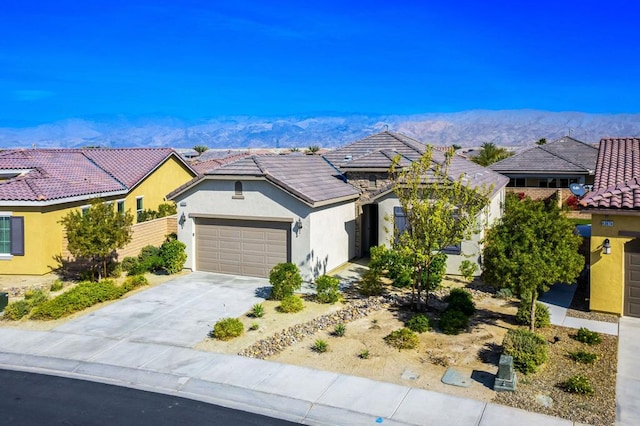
x,y
632,281
241,247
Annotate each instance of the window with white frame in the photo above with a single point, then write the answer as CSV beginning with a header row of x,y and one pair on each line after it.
x,y
11,235
120,206
5,234
139,207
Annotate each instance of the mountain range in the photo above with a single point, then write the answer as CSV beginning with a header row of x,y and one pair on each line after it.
x,y
513,128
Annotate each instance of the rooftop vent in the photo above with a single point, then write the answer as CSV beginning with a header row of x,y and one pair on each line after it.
x,y
348,158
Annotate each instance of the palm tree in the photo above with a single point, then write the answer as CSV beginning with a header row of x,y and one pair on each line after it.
x,y
491,153
200,149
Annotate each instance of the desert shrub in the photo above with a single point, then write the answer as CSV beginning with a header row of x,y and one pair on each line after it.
x,y
149,260
285,279
173,255
167,209
453,321
461,300
468,269
254,326
320,346
227,329
36,297
115,271
364,354
504,293
291,304
529,350
402,339
257,310
419,323
543,317
578,384
583,357
57,285
133,282
328,289
339,330
82,296
587,336
370,284
16,310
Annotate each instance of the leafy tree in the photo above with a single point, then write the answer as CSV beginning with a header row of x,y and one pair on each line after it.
x,y
97,232
491,153
440,210
530,249
200,149
541,141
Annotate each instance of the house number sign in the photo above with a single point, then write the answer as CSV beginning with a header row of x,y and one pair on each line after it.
x,y
607,223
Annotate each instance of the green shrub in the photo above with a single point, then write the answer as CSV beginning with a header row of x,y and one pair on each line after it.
x,y
504,293
82,296
257,310
587,336
339,330
583,357
133,282
57,285
370,284
285,279
543,317
16,310
320,346
173,255
461,300
529,350
364,354
149,260
36,297
291,304
402,339
254,326
453,321
115,271
436,271
328,289
129,263
419,323
468,269
227,329
578,384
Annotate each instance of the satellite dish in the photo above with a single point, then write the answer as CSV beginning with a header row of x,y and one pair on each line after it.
x,y
577,189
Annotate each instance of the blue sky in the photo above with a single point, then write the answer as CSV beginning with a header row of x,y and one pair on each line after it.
x,y
197,59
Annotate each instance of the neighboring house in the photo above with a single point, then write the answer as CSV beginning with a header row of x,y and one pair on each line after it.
x,y
40,186
614,205
544,170
365,164
246,216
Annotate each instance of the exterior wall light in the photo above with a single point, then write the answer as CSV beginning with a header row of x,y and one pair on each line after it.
x,y
606,246
182,219
299,223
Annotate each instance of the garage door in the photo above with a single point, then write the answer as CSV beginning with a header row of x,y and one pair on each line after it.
x,y
632,279
241,247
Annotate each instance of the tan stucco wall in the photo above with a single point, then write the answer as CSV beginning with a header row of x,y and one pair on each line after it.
x,y
607,271
323,237
43,237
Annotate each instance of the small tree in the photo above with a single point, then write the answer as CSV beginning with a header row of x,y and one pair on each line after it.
x,y
285,279
530,249
491,153
541,141
97,232
441,211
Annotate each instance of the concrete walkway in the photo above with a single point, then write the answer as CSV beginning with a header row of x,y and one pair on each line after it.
x,y
144,342
628,377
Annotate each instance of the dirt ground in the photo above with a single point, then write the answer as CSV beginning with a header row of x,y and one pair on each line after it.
x,y
474,353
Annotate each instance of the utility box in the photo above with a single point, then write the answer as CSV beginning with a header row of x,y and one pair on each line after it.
x,y
506,379
4,300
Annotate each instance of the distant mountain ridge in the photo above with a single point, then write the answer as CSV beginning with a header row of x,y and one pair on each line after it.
x,y
469,128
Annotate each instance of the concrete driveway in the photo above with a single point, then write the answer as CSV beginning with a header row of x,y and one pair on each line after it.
x,y
179,312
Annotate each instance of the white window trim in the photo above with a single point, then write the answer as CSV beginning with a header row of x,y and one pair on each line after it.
x,y
6,256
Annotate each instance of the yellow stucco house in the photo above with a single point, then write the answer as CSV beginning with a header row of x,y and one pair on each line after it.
x,y
614,205
40,186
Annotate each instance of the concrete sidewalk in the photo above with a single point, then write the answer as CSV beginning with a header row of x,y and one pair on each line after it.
x,y
289,392
628,377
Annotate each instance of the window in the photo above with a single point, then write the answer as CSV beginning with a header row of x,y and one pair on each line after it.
x,y
120,206
85,210
402,225
517,182
237,191
139,207
11,235
373,182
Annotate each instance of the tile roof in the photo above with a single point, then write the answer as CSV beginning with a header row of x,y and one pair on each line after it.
x,y
53,175
204,166
362,150
565,155
308,177
617,180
